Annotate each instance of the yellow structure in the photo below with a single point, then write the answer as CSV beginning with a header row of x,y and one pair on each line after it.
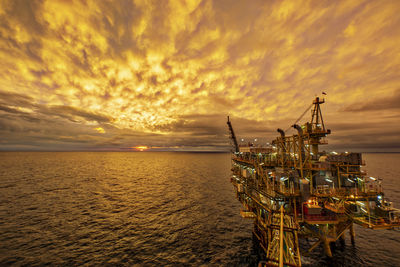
x,y
292,190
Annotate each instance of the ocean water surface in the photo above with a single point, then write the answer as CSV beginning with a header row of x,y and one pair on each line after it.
x,y
150,208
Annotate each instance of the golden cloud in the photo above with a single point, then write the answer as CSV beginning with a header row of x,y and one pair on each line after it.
x,y
148,65
100,130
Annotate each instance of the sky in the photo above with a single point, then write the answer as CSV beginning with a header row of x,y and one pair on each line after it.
x,y
131,75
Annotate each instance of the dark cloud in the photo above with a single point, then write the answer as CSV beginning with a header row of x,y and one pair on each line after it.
x,y
382,103
11,110
68,112
15,99
72,112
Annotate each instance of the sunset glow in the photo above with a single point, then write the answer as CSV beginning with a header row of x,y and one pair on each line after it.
x,y
112,74
141,148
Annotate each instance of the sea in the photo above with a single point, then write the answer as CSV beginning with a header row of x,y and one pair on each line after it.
x,y
151,209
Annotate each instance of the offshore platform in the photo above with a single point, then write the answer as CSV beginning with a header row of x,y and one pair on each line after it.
x,y
292,190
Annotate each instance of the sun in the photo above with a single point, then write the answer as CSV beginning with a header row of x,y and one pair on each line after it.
x,y
141,148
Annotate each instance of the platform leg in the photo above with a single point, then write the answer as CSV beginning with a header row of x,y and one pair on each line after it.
x,y
342,239
352,234
327,248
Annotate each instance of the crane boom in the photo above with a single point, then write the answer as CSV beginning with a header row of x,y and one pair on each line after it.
x,y
233,136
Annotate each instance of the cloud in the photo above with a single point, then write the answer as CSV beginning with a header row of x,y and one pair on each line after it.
x,y
167,74
73,112
379,104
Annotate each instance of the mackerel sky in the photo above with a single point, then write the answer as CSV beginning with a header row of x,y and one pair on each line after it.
x,y
114,75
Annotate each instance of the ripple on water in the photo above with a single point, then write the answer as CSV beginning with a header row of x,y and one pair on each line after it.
x,y
146,209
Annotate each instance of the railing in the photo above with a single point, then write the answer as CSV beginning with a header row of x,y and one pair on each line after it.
x,y
318,217
373,221
287,190
335,207
364,189
370,189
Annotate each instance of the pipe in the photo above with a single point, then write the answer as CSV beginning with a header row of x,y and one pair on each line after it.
x,y
281,240
298,128
281,132
301,146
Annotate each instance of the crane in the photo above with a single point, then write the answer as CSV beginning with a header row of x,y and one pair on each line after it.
x,y
233,136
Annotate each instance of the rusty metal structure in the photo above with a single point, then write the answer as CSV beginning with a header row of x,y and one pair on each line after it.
x,y
293,190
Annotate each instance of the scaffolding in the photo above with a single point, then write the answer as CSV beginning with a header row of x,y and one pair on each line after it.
x,y
292,190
